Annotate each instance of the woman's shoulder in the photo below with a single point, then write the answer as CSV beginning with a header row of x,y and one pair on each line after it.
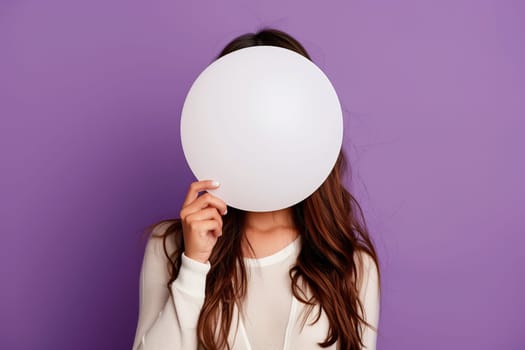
x,y
156,240
366,266
364,259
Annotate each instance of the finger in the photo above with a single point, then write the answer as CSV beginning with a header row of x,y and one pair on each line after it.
x,y
203,202
209,200
205,226
197,187
210,213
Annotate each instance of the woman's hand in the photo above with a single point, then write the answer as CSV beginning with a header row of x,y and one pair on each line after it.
x,y
201,220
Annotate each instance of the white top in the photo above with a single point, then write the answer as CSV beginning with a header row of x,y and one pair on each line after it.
x,y
272,316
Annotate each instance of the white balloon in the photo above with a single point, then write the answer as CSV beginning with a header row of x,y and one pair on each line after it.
x,y
266,123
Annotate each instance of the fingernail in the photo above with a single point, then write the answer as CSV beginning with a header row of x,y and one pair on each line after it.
x,y
225,211
215,183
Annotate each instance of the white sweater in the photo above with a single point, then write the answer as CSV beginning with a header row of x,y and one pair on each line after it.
x,y
272,316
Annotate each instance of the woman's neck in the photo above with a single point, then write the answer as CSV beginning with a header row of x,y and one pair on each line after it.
x,y
268,232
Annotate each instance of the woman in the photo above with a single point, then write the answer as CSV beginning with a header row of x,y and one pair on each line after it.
x,y
304,277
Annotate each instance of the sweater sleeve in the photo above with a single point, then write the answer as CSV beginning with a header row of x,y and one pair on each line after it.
x,y
370,297
165,322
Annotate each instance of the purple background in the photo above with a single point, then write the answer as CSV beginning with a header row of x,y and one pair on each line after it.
x,y
90,99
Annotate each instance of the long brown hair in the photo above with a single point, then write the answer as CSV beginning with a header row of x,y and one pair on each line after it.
x,y
332,227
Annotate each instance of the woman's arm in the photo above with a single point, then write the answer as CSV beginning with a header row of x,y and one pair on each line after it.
x,y
369,295
165,322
